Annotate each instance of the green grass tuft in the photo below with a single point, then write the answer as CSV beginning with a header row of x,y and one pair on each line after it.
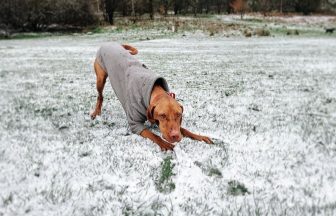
x,y
98,30
236,188
165,183
7,200
26,35
215,172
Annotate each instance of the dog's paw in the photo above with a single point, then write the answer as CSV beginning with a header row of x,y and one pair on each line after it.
x,y
165,146
206,139
94,115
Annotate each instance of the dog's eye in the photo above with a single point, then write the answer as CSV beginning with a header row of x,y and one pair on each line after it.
x,y
179,115
162,116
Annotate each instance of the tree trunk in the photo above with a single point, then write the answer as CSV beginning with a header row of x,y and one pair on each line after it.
x,y
111,17
133,11
151,12
228,6
109,8
207,7
166,7
176,7
124,9
219,8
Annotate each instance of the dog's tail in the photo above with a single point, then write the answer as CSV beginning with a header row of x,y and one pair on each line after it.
x,y
132,50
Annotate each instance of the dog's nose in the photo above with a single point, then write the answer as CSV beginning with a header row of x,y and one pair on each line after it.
x,y
175,135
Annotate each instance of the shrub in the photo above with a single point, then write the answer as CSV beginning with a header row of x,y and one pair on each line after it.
x,y
293,32
262,32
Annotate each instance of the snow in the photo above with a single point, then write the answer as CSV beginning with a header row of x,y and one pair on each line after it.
x,y
268,103
289,19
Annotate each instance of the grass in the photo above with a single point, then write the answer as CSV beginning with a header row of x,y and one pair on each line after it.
x,y
254,20
29,35
98,30
210,170
267,102
215,172
7,200
209,24
58,193
295,31
165,183
235,188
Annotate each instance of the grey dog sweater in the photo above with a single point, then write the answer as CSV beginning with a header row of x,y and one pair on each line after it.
x,y
131,81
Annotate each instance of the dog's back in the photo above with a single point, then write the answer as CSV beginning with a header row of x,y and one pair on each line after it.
x,y
115,60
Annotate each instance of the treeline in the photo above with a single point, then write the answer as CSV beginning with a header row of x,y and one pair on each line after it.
x,y
37,15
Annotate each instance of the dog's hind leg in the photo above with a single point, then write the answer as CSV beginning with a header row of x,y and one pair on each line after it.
x,y
101,80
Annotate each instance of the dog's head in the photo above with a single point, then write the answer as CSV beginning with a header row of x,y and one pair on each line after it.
x,y
167,114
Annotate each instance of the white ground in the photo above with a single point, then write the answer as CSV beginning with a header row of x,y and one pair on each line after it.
x,y
269,104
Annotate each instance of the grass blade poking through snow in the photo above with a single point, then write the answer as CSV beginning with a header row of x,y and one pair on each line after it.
x,y
236,188
165,184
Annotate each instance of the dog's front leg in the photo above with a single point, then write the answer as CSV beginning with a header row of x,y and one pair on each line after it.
x,y
156,139
191,135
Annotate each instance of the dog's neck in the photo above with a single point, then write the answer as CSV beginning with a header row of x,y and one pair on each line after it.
x,y
157,93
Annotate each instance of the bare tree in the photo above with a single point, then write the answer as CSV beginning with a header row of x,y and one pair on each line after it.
x,y
110,8
240,6
165,6
307,6
150,9
194,5
37,15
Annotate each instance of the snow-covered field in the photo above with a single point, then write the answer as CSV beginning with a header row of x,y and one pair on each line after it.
x,y
269,104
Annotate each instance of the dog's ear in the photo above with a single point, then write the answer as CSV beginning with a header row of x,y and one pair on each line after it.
x,y
181,107
181,116
150,114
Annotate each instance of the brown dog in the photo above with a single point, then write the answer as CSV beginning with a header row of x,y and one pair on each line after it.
x,y
161,109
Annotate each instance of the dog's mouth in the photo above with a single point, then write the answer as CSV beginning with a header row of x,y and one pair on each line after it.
x,y
172,140
165,138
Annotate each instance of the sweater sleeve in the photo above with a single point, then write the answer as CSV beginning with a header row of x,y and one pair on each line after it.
x,y
136,127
